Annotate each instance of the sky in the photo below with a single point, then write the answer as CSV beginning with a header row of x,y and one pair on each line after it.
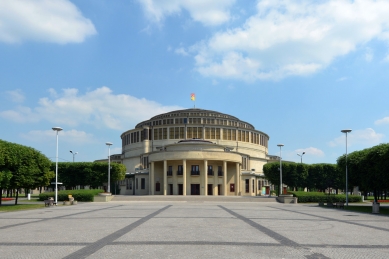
x,y
300,71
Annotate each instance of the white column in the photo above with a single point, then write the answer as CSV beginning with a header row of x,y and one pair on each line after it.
x,y
184,177
215,182
225,178
152,178
164,177
205,177
237,180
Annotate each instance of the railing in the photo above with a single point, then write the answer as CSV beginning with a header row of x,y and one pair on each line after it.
x,y
180,172
169,173
210,172
194,172
219,173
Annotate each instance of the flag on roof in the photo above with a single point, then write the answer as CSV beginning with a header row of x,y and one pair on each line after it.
x,y
192,96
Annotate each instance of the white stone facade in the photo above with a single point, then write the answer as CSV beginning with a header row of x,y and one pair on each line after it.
x,y
194,152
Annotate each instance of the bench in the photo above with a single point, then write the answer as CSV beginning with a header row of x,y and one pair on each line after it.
x,y
340,205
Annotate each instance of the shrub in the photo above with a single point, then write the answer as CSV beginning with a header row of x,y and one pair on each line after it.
x,y
78,195
304,197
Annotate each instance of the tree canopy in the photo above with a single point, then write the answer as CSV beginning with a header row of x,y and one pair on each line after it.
x,y
22,167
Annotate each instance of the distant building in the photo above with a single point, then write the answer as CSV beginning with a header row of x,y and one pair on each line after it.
x,y
194,152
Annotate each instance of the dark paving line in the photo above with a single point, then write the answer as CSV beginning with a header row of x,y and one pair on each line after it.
x,y
94,247
281,239
196,243
338,220
58,217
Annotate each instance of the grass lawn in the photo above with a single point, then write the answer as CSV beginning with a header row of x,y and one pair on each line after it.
x,y
12,207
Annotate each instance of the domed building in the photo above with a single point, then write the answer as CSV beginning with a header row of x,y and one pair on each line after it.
x,y
194,152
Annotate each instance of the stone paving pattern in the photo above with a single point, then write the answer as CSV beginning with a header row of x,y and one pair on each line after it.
x,y
192,228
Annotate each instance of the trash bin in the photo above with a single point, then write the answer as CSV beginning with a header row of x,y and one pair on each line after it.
x,y
376,207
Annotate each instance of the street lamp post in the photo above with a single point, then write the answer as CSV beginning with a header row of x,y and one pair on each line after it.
x,y
301,156
109,144
57,129
74,153
280,145
346,131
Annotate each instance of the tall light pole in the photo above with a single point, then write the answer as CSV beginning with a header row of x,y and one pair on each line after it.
x,y
74,153
109,144
301,156
346,131
57,129
280,145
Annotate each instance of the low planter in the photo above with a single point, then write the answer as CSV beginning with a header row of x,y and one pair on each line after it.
x,y
74,202
66,203
105,194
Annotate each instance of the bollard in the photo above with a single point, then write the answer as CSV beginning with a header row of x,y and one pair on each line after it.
x,y
28,196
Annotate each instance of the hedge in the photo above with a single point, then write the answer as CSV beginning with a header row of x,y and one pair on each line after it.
x,y
78,195
304,197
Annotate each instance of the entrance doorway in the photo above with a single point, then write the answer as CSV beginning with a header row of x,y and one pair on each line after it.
x,y
170,189
210,189
180,189
195,189
219,187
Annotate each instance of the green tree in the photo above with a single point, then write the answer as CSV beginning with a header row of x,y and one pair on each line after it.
x,y
29,168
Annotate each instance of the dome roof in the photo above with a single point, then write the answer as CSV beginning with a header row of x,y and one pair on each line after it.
x,y
193,113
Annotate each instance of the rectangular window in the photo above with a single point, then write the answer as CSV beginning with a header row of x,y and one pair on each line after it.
x,y
189,132
160,133
137,136
157,187
253,185
180,170
155,134
182,132
171,133
210,170
207,133
136,183
217,133
232,187
176,133
233,134
239,135
200,132
164,133
142,183
195,170
247,186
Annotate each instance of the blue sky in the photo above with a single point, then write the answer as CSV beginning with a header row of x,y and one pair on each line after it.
x,y
300,71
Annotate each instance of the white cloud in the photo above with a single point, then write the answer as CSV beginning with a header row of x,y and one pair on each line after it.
x,y
310,151
73,137
367,137
209,13
57,21
181,51
341,79
16,96
100,108
382,121
287,38
369,55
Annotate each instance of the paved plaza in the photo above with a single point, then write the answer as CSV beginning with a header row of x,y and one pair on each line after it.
x,y
192,228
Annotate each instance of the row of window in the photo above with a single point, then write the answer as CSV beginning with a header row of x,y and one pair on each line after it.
x,y
195,132
195,170
196,121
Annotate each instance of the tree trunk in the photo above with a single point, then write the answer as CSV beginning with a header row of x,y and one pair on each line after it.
x,y
1,195
17,196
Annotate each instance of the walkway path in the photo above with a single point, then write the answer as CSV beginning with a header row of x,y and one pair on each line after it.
x,y
192,229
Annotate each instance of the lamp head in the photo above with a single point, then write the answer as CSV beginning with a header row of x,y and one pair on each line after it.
x,y
57,128
280,145
303,153
346,130
108,143
71,151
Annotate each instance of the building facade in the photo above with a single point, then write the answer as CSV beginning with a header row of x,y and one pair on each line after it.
x,y
194,152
